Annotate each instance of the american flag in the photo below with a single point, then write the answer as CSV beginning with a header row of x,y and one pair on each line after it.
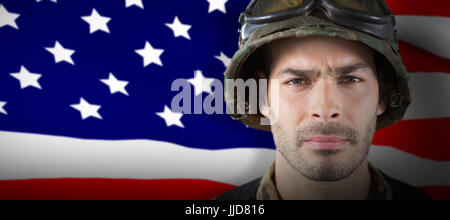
x,y
85,101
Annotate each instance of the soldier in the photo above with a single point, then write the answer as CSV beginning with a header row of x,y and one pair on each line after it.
x,y
340,77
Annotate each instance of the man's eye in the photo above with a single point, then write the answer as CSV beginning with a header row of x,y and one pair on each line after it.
x,y
351,79
297,82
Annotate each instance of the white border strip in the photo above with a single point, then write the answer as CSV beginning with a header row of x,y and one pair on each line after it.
x,y
430,93
409,168
27,156
431,33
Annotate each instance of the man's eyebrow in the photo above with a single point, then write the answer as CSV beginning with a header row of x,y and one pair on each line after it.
x,y
297,72
340,70
351,68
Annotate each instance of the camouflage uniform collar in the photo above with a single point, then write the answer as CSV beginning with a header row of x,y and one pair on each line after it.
x,y
267,189
379,187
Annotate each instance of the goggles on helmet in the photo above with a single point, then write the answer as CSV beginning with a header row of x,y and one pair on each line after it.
x,y
369,16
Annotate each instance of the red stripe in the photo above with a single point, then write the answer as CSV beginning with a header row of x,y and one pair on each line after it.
x,y
419,60
438,192
418,7
123,189
130,189
428,138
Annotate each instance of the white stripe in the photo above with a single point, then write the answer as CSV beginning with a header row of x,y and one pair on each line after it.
x,y
25,156
409,168
427,32
430,93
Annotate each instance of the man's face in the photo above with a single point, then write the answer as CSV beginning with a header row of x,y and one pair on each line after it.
x,y
329,103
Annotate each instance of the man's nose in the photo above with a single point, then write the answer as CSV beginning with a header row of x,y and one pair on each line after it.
x,y
324,103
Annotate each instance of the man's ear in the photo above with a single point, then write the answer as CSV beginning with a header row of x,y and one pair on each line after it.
x,y
264,108
381,107
383,103
264,105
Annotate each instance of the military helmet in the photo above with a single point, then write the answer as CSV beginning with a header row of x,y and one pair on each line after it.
x,y
265,21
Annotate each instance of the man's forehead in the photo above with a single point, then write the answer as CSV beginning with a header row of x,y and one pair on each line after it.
x,y
318,45
302,52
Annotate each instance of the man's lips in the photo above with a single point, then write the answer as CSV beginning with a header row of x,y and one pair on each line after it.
x,y
326,143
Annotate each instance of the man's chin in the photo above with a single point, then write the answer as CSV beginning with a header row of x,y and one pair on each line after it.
x,y
326,153
324,165
327,172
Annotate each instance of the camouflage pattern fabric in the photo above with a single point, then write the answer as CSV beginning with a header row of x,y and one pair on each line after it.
x,y
379,187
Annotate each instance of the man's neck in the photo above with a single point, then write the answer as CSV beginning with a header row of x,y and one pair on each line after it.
x,y
292,185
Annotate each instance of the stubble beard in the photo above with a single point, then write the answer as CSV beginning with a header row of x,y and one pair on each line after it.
x,y
323,165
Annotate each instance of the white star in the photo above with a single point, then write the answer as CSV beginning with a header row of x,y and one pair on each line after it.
x,y
150,54
87,110
115,85
2,110
171,118
26,78
55,1
225,60
179,29
200,83
61,54
7,18
138,3
97,22
217,5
